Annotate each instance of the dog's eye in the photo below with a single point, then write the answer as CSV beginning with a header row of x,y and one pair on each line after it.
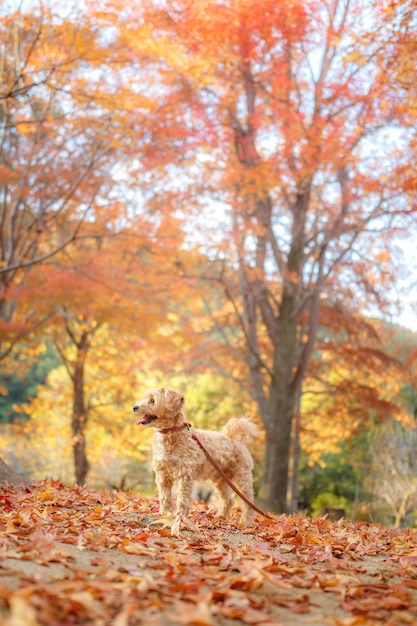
x,y
151,401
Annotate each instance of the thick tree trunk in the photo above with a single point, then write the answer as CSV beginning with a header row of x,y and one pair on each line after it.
x,y
276,386
277,456
284,388
295,461
79,414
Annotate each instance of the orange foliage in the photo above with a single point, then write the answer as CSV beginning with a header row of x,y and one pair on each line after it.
x,y
247,143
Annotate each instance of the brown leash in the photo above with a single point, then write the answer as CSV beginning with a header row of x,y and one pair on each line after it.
x,y
224,476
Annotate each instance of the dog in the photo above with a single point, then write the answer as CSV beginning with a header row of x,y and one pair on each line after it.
x,y
179,461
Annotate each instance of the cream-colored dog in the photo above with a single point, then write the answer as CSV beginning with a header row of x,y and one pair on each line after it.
x,y
179,461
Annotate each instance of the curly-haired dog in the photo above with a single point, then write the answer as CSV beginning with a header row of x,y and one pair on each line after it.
x,y
178,460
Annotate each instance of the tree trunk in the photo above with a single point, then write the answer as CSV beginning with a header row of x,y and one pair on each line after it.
x,y
285,386
79,414
278,442
295,460
276,386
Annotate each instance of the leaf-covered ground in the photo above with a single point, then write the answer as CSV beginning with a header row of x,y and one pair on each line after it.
x,y
79,556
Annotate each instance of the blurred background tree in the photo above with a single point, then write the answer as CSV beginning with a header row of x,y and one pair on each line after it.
x,y
193,191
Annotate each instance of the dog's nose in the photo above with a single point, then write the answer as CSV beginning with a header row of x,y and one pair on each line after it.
x,y
135,409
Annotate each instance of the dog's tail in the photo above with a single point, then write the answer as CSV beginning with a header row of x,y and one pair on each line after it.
x,y
240,428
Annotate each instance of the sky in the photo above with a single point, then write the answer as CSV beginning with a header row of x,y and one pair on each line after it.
x,y
408,315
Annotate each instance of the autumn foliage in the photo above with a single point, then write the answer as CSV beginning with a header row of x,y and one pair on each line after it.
x,y
216,188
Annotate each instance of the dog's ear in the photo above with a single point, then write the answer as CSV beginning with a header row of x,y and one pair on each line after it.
x,y
178,400
174,399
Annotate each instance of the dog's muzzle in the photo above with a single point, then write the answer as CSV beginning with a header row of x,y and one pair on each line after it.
x,y
145,419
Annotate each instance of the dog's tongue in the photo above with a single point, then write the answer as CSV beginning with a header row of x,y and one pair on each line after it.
x,y
146,420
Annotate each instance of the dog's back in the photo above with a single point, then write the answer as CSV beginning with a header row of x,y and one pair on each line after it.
x,y
240,429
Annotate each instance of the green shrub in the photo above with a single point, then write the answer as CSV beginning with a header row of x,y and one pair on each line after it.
x,y
327,499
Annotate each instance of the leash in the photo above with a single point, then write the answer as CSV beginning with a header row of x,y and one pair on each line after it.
x,y
224,476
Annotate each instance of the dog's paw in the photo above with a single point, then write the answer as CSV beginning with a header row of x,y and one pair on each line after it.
x,y
165,511
246,522
176,525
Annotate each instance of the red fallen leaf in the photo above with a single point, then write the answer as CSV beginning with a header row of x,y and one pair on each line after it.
x,y
232,612
245,583
405,617
99,561
13,524
302,582
218,556
6,502
351,621
302,605
187,590
124,617
412,557
42,542
175,558
202,518
141,537
409,582
216,559
262,547
246,614
392,603
41,514
158,604
136,548
284,569
265,521
313,539
21,611
193,614
84,604
200,547
375,603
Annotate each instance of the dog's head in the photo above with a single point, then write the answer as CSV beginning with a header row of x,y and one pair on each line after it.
x,y
160,408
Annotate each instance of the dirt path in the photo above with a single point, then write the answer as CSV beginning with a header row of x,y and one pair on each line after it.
x,y
77,556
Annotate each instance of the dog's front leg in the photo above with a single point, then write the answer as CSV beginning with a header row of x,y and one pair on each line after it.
x,y
164,485
184,489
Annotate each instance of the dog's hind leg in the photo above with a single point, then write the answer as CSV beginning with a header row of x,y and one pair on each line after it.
x,y
245,484
226,496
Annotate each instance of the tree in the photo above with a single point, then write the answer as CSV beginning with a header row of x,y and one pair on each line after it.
x,y
61,132
107,299
21,382
253,125
393,449
272,112
55,154
354,382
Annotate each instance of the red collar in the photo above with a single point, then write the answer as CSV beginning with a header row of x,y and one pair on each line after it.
x,y
165,431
